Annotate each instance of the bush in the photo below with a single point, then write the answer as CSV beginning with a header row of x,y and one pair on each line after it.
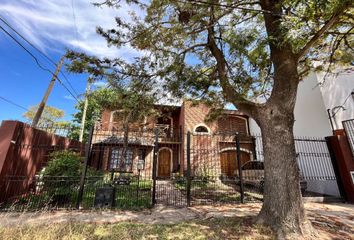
x,y
67,163
205,174
61,177
63,163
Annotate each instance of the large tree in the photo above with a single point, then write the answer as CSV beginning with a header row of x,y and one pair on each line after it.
x,y
252,54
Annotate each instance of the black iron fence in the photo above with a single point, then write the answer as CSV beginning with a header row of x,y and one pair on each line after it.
x,y
58,192
142,168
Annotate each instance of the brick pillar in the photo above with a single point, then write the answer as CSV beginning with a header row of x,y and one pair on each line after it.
x,y
343,163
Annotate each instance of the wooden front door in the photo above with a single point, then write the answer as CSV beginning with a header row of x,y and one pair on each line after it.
x,y
228,163
164,163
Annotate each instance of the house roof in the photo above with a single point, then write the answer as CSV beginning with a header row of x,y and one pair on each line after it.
x,y
177,108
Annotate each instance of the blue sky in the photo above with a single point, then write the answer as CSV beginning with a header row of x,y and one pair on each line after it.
x,y
52,26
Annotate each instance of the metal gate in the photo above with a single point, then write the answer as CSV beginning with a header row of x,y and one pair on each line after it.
x,y
228,168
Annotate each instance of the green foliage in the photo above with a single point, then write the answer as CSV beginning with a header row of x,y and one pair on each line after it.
x,y
62,174
66,163
206,174
63,163
220,52
50,116
130,103
98,100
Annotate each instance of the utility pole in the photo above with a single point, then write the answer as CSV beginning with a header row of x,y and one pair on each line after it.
x,y
41,106
83,120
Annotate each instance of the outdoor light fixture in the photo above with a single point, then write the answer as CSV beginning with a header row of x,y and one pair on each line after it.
x,y
334,111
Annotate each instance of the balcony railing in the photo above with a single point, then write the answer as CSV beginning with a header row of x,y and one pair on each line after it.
x,y
137,133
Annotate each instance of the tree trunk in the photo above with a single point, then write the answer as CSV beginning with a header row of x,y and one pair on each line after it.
x,y
282,208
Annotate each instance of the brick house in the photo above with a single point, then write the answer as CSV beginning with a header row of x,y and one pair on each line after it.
x,y
212,143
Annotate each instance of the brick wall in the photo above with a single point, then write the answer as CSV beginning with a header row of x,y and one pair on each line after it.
x,y
207,148
231,121
109,122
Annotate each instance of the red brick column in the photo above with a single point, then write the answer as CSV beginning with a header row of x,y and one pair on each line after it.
x,y
343,163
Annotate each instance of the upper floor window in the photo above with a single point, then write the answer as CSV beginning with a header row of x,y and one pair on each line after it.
x,y
201,129
164,124
231,123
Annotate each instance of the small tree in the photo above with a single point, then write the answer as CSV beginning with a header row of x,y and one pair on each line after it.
x,y
50,116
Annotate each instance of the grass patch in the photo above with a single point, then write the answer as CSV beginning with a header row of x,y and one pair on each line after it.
x,y
127,197
225,228
133,197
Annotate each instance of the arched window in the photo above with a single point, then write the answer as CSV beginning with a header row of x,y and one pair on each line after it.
x,y
201,129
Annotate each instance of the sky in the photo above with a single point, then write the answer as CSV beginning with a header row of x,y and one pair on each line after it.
x,y
52,26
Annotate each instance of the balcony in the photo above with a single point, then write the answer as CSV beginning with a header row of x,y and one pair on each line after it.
x,y
137,133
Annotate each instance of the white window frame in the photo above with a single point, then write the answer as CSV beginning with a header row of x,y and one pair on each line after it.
x,y
201,133
116,164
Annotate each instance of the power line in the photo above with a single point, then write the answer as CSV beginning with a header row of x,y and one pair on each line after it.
x,y
35,59
13,103
68,82
74,16
37,62
32,45
40,51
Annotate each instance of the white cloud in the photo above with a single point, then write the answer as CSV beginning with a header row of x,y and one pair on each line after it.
x,y
47,23
69,97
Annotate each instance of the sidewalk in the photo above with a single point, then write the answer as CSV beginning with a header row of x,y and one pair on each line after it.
x,y
336,219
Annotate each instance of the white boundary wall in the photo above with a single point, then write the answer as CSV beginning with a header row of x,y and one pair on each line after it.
x,y
311,120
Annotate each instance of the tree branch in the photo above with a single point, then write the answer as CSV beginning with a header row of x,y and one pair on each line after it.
x,y
192,48
333,20
229,92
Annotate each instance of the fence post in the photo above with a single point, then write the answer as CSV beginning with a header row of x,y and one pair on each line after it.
x,y
238,159
83,175
154,163
188,169
336,168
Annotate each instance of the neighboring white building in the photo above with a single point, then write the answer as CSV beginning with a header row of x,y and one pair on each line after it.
x,y
315,96
338,96
313,100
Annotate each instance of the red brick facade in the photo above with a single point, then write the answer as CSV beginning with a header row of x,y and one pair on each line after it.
x,y
182,119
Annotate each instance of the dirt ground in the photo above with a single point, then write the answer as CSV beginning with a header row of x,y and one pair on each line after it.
x,y
333,221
